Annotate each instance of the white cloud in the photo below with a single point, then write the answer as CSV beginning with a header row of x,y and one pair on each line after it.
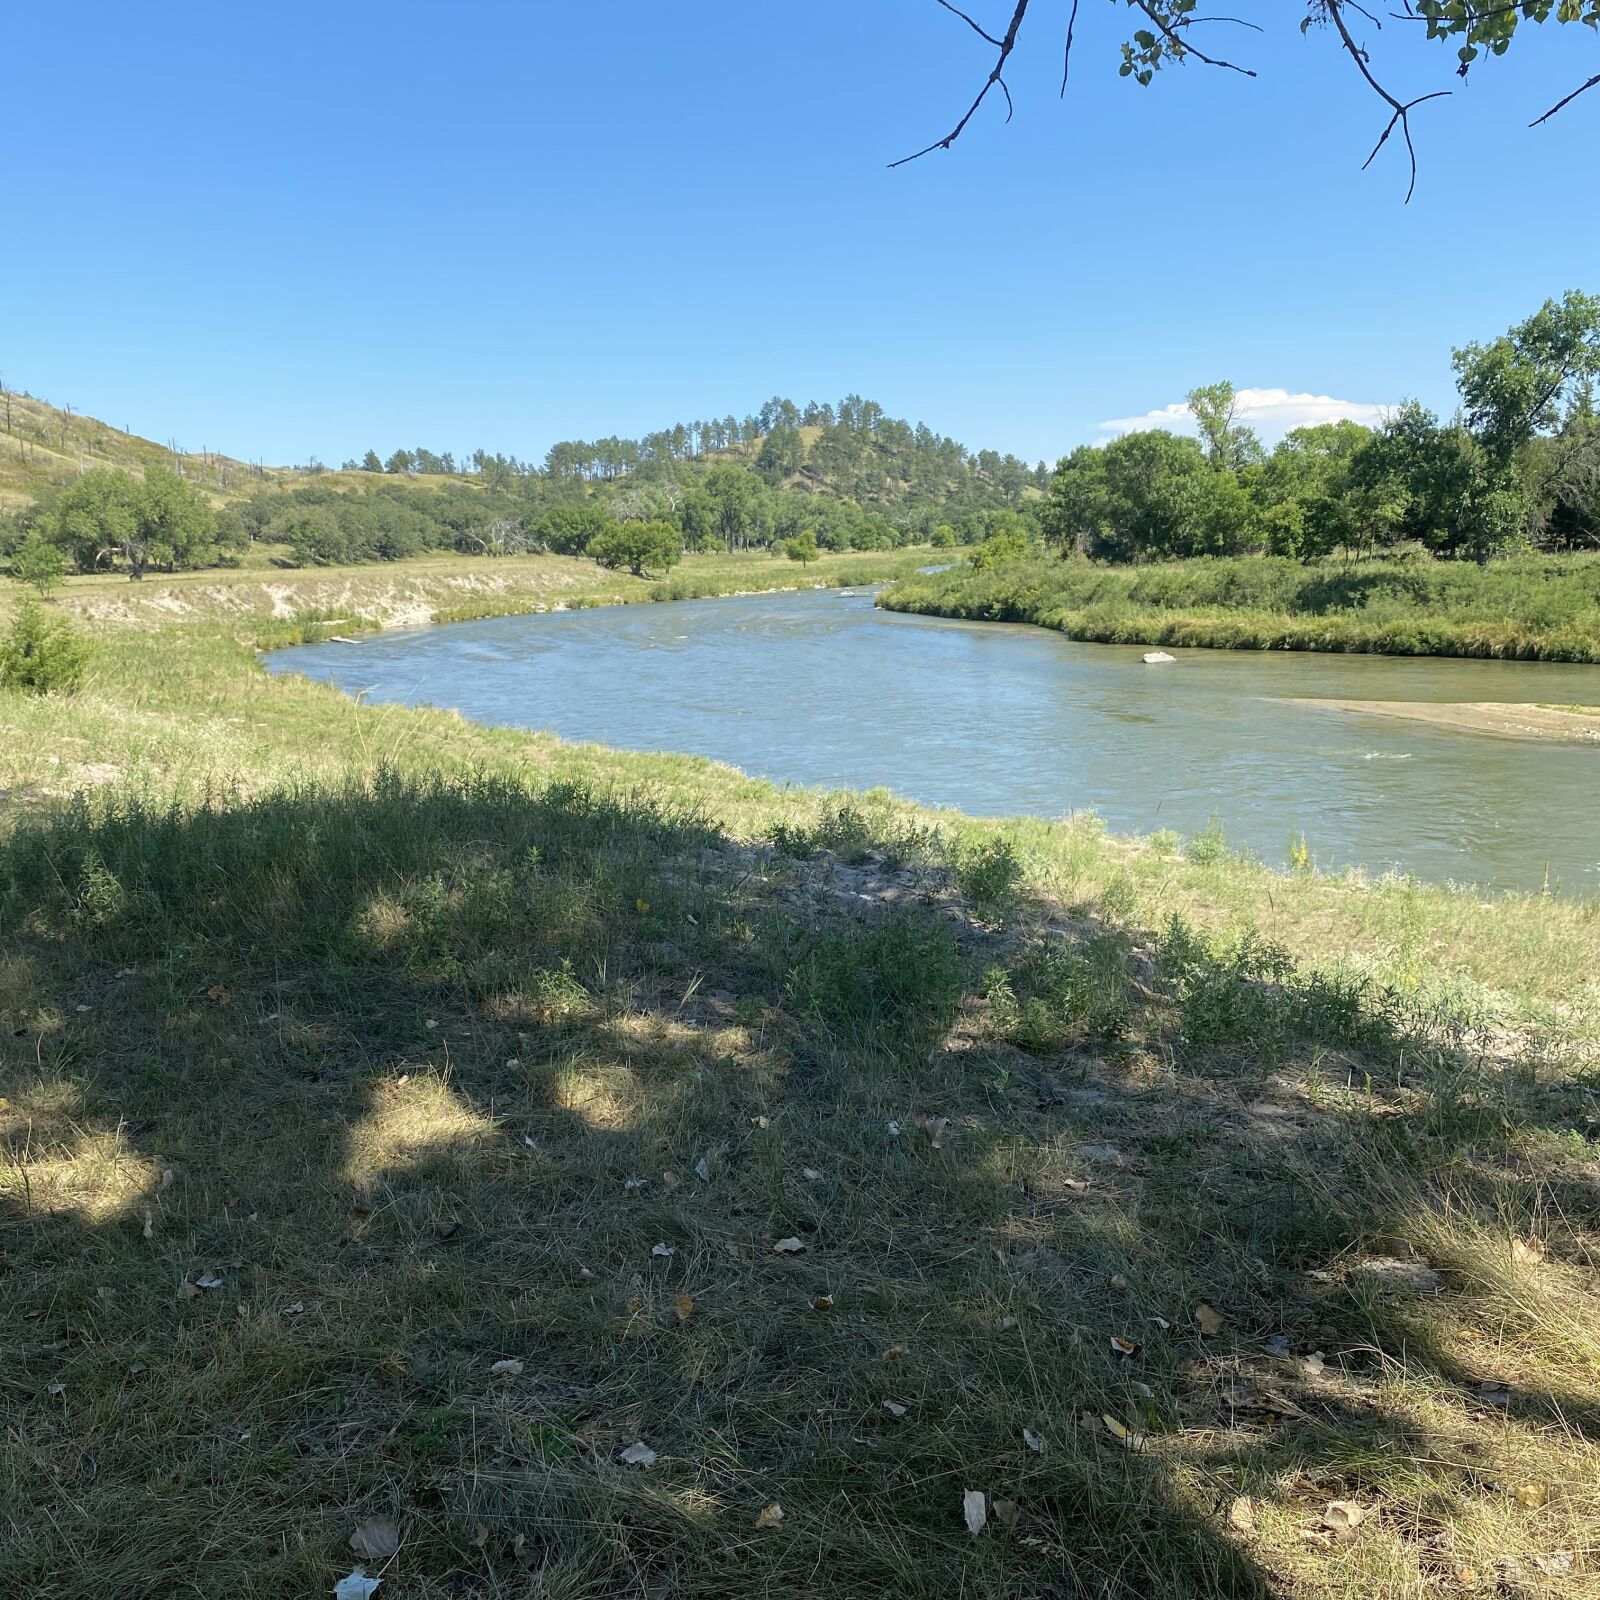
x,y
1271,412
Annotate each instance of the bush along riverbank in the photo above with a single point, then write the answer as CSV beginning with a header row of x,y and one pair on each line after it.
x,y
454,1141
1531,609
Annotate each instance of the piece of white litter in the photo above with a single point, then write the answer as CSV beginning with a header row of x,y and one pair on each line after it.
x,y
357,1586
638,1454
810,1174
506,1369
702,1170
894,1129
431,1023
632,1185
789,1247
1033,1441
894,1408
662,1250
975,1509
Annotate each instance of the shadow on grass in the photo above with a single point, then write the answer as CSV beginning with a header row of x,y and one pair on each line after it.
x,y
319,1106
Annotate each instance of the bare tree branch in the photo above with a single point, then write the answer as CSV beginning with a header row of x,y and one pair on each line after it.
x,y
1005,46
1066,55
981,33
1581,89
1402,109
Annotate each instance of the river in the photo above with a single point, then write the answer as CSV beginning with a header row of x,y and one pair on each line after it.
x,y
820,687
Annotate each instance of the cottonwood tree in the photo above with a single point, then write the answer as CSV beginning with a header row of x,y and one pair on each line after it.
x,y
1164,35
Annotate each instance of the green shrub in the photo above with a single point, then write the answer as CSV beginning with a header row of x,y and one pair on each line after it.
x,y
1064,994
40,654
989,872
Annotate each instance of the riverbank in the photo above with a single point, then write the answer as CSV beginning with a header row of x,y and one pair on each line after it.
x,y
1533,609
405,1119
285,603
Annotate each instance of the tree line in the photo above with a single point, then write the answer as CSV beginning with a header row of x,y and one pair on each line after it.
x,y
820,477
1517,466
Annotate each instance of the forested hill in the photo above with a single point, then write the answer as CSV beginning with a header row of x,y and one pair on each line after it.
x,y
827,476
851,449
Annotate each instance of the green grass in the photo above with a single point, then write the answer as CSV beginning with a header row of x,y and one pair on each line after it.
x,y
1532,609
371,1015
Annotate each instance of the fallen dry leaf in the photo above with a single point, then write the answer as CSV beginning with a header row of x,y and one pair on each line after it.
x,y
663,1250
641,906
684,1306
376,1539
638,1454
293,1310
1343,1517
1124,1347
702,1170
1116,1281
1555,1565
1122,1433
1033,1441
1531,1496
1077,1185
894,1408
480,1534
1209,1319
219,994
810,1174
506,1369
1242,1514
357,1586
770,1516
1314,1364
894,1352
975,1509
1006,1324
1005,1512
1528,1251
822,1302
789,1247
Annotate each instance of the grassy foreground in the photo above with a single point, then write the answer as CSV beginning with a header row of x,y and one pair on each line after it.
x,y
1229,1233
1544,608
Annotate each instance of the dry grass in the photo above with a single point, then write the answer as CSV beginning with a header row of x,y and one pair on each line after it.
x,y
1354,1120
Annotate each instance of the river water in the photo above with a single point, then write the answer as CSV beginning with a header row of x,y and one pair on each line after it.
x,y
819,687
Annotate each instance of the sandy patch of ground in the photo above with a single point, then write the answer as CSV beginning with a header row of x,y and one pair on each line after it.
x,y
1506,721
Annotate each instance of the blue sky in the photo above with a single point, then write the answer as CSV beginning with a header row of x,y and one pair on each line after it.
x,y
294,229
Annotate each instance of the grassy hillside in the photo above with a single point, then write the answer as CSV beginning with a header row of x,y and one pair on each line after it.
x,y
1534,608
41,445
402,1120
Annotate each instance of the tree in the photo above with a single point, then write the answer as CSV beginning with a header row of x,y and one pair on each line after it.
x,y
39,563
568,530
400,461
735,499
782,451
802,548
638,546
1146,494
1229,445
1534,378
370,462
1471,26
177,526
